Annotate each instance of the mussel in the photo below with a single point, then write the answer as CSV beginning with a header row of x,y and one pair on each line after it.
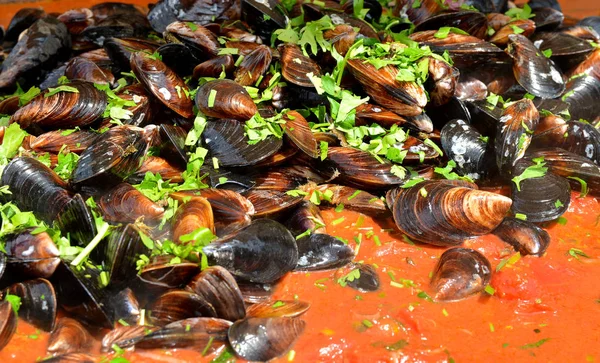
x,y
525,237
459,273
225,99
8,323
69,337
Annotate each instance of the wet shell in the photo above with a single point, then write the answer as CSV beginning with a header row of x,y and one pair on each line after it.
x,y
472,22
319,251
581,95
213,67
262,339
459,273
225,99
33,255
295,66
8,323
69,337
121,252
198,333
298,130
38,302
197,37
125,336
446,213
253,66
525,237
463,144
84,69
192,215
177,305
160,166
536,73
75,140
500,38
63,109
163,83
280,308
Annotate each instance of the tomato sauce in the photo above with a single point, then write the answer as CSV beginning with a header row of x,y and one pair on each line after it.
x,y
543,307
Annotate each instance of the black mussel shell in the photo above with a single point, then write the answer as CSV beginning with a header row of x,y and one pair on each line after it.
x,y
177,305
306,216
120,50
591,21
513,134
80,294
196,333
536,73
38,49
269,195
120,253
77,20
32,255
298,130
279,309
459,273
262,252
447,213
254,292
114,156
265,16
226,140
567,50
218,287
367,279
537,4
473,22
63,109
124,306
453,109
582,94
540,199
69,336
424,10
53,141
173,144
125,204
161,275
319,251
484,117
163,83
38,302
179,58
200,39
465,145
548,19
262,339
116,26
22,20
224,98
354,199
8,323
525,237
577,137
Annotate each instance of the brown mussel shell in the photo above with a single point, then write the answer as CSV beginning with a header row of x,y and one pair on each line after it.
x,y
224,98
63,109
279,309
69,337
262,339
253,66
298,130
160,166
125,204
525,237
177,305
446,213
214,66
33,255
161,275
53,141
459,273
472,22
190,216
198,333
125,336
71,358
163,83
8,323
196,36
500,38
83,69
120,253
295,66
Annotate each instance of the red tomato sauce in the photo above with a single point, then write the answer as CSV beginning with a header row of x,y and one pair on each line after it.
x,y
543,307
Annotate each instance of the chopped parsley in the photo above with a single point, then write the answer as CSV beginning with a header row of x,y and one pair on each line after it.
x,y
349,277
537,170
63,88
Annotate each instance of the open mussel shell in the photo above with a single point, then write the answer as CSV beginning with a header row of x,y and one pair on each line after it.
x,y
265,16
253,66
188,333
80,294
403,98
359,168
161,275
120,50
194,214
38,302
525,237
472,22
114,156
218,287
63,109
567,50
226,140
577,137
446,213
125,336
196,36
262,339
214,66
69,336
464,144
459,273
48,37
513,134
540,199
125,204
500,38
224,98
262,252
33,255
536,73
83,69
298,130
354,199
581,94
568,164
269,196
120,253
177,305
8,323
230,209
53,141
163,83
319,251
306,216
278,309
295,66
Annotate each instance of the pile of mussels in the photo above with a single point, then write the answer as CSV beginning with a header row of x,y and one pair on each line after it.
x,y
162,171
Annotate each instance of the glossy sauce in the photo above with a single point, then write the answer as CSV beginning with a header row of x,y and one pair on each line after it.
x,y
542,307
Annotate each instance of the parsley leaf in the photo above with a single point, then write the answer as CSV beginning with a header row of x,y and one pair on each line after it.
x,y
535,171
63,88
349,277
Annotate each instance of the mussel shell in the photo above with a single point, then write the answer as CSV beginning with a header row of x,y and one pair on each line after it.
x,y
214,66
179,58
472,22
53,141
581,94
298,130
262,252
459,273
463,144
319,251
262,339
177,305
253,66
525,237
197,37
114,156
160,166
192,215
71,358
124,306
120,50
125,204
295,66
354,199
442,81
77,20
163,83
125,336
218,287
21,21
279,309
31,255
265,16
37,49
187,333
306,216
342,36
269,196
537,197
367,281
577,137
500,38
536,73
591,21
8,323
226,140
513,133
63,109
368,114
360,168
69,336
567,50
120,253
548,19
450,213
162,275
38,302
84,69
82,296
230,100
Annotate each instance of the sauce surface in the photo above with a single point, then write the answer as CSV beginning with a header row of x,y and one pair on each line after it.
x,y
543,307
